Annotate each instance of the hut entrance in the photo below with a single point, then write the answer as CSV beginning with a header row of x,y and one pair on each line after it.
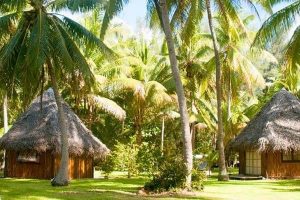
x,y
253,163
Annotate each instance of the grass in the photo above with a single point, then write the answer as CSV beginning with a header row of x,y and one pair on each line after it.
x,y
119,187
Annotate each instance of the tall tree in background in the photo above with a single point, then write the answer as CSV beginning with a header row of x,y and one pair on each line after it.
x,y
45,42
162,10
185,126
220,136
186,16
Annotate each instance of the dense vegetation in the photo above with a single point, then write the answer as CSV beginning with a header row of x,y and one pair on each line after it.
x,y
188,94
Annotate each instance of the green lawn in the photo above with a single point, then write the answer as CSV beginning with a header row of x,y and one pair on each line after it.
x,y
123,188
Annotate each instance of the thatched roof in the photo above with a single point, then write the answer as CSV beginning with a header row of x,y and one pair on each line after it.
x,y
275,127
38,131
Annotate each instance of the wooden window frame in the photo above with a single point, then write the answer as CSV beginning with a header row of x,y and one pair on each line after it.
x,y
24,160
289,161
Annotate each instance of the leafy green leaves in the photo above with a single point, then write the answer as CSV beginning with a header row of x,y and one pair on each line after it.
x,y
38,49
112,8
278,23
75,5
81,34
6,5
42,36
7,23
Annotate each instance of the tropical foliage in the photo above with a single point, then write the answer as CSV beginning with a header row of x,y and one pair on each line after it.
x,y
187,90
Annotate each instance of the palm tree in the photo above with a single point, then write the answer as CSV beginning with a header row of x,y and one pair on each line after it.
x,y
141,79
5,121
112,8
281,23
45,43
186,17
162,10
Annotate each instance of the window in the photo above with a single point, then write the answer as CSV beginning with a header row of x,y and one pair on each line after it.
x,y
28,157
291,156
253,163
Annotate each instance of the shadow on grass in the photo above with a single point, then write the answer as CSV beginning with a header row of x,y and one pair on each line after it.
x,y
117,188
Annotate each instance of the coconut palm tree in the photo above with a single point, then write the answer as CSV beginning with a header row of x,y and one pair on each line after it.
x,y
186,17
45,43
143,80
282,23
162,10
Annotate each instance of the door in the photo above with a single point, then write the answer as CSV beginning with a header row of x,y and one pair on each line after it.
x,y
253,163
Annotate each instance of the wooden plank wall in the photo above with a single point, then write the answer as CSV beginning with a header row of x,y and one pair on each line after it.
x,y
264,157
79,167
42,170
242,159
275,168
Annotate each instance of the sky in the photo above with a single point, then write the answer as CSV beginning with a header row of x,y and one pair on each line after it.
x,y
135,10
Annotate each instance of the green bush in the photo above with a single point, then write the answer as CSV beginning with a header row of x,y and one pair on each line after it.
x,y
148,158
125,156
108,165
198,178
171,175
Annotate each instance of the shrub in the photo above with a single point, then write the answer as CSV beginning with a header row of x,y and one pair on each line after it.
x,y
148,157
108,165
198,178
125,156
171,175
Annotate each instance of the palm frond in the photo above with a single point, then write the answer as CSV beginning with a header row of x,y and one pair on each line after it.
x,y
75,5
108,106
112,8
80,33
292,62
6,23
58,45
156,94
192,21
38,49
279,23
80,62
13,4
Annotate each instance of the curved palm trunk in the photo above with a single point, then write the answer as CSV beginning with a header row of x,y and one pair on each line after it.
x,y
5,122
188,154
220,137
62,177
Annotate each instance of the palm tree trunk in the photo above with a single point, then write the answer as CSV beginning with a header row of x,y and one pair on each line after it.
x,y
162,136
193,135
220,136
62,177
229,95
188,154
5,122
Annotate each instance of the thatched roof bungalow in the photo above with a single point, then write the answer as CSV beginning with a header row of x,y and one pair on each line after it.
x,y
270,144
33,143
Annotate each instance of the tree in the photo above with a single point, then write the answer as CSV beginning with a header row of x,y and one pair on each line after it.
x,y
143,87
184,118
45,42
220,138
278,24
186,17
